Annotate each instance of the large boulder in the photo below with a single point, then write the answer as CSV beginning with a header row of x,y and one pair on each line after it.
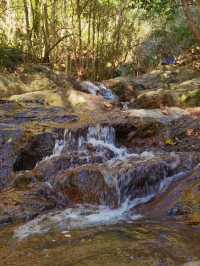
x,y
85,184
124,88
185,94
166,76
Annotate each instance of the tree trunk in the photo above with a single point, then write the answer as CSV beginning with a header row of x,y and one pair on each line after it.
x,y
28,31
198,6
191,22
46,57
78,11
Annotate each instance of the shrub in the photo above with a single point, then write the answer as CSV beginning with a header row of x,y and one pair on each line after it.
x,y
10,58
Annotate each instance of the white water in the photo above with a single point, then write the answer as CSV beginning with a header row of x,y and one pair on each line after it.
x,y
81,216
101,89
85,216
57,150
101,137
167,181
105,92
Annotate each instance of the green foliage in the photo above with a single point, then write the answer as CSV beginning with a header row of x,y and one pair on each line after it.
x,y
193,98
92,39
165,8
10,58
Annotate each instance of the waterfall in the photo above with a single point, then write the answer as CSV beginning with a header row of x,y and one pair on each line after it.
x,y
135,181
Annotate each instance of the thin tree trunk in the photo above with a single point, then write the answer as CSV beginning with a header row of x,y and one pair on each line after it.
x,y
46,57
78,10
53,19
28,31
93,38
48,52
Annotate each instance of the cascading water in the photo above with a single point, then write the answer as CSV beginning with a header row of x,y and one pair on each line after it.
x,y
133,181
100,89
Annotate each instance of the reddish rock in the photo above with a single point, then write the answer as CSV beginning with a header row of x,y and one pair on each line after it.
x,y
85,184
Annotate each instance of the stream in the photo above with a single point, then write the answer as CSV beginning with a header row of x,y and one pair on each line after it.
x,y
88,197
138,243
126,186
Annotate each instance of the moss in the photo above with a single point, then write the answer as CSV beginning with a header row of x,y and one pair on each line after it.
x,y
192,98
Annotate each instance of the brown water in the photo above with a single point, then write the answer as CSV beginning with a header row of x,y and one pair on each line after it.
x,y
146,243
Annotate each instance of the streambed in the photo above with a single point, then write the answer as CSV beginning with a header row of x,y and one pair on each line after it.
x,y
139,243
75,191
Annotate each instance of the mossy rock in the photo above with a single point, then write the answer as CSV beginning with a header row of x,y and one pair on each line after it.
x,y
192,98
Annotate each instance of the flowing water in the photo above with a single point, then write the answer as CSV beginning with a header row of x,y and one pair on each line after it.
x,y
99,89
92,235
145,243
99,145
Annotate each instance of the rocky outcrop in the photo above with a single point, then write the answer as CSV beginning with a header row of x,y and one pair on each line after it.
x,y
25,137
181,200
186,94
52,158
167,86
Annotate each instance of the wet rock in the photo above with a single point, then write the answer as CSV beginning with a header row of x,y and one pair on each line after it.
x,y
85,184
180,198
81,172
37,148
23,203
97,89
145,129
45,191
8,139
106,93
185,133
89,87
190,199
27,135
142,177
55,115
136,177
49,167
148,174
5,219
23,179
